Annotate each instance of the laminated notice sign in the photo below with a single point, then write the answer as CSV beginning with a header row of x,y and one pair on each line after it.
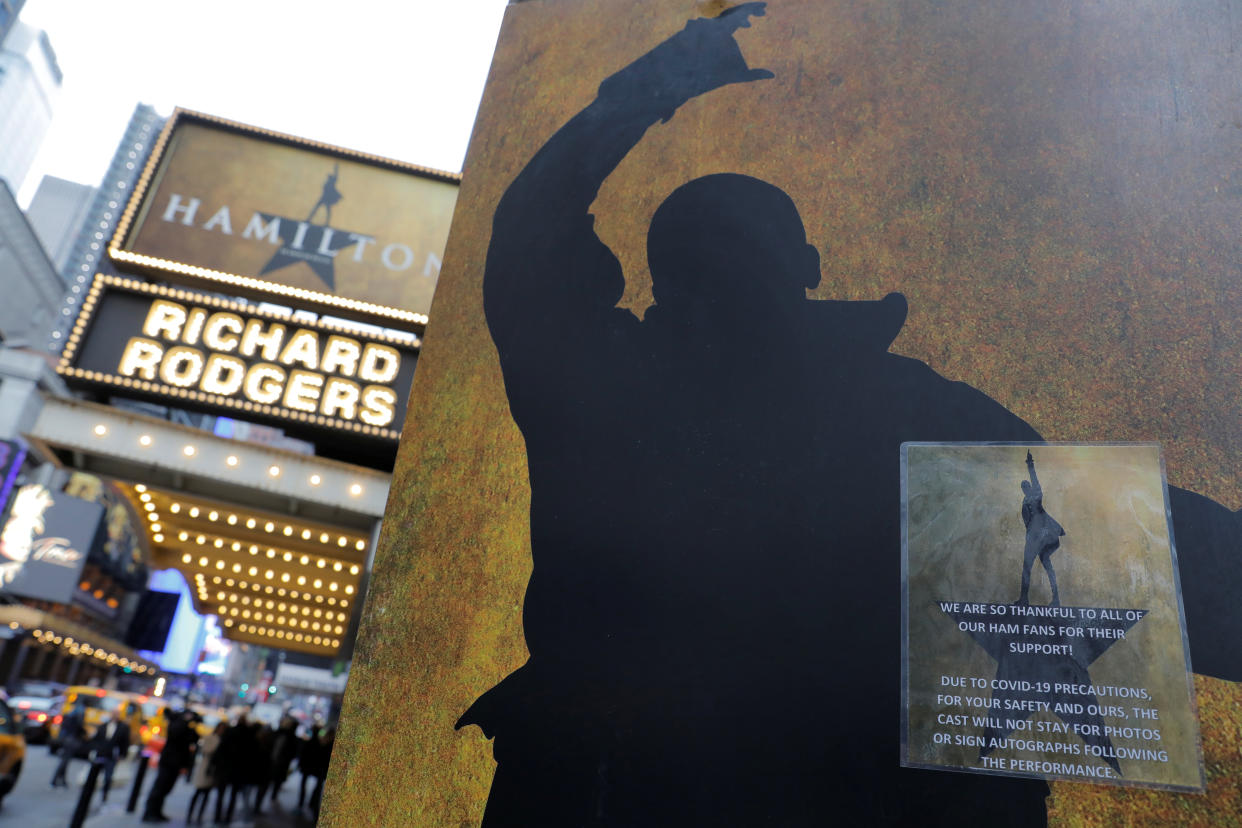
x,y
1043,618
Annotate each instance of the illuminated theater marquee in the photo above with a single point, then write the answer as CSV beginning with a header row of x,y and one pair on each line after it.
x,y
165,342
268,215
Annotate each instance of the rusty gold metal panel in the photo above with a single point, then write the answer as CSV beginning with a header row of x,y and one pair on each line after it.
x,y
1052,187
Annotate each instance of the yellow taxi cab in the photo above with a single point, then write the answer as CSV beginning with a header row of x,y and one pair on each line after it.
x,y
154,719
12,749
99,703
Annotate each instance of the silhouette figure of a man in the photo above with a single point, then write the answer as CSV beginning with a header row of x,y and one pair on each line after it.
x,y
713,616
330,196
1043,535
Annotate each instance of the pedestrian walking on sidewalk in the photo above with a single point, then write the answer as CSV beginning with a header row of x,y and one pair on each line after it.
x,y
206,776
316,755
109,745
177,755
233,760
72,732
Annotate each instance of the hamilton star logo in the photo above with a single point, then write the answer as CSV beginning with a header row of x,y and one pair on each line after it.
x,y
315,244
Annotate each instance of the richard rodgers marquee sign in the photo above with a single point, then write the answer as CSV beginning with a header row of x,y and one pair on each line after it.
x,y
153,341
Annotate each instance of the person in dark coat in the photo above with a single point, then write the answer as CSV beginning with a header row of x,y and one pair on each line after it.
x,y
205,777
285,749
316,756
234,761
109,745
177,755
72,732
261,764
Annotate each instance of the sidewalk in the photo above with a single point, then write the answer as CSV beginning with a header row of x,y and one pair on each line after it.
x,y
279,813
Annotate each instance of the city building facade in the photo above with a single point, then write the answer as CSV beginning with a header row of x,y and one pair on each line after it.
x,y
30,81
232,362
33,290
57,213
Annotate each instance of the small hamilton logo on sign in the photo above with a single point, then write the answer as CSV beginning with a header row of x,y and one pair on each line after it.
x,y
315,244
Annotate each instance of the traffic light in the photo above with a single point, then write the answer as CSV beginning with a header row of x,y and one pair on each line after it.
x,y
271,691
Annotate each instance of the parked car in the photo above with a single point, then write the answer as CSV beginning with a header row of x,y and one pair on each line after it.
x,y
43,689
12,750
34,716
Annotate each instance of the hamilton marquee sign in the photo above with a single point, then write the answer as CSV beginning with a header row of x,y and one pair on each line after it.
x,y
160,342
273,215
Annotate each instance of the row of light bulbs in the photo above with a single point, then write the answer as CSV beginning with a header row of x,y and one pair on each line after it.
x,y
232,519
311,626
82,648
291,608
237,546
281,635
294,609
274,470
148,507
279,592
280,620
268,574
143,260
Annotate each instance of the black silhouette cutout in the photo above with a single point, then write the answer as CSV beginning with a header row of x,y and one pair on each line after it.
x,y
713,613
1043,534
330,196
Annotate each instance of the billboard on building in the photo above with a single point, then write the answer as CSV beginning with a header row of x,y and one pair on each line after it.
x,y
706,277
45,543
243,210
150,341
166,629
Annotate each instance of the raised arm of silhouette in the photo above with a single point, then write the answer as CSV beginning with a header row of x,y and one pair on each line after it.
x,y
551,286
1032,494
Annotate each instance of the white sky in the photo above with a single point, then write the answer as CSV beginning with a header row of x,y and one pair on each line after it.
x,y
397,78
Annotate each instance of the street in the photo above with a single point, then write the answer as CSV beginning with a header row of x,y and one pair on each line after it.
x,y
38,805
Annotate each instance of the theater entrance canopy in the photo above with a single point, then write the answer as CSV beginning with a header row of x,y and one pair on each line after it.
x,y
274,542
